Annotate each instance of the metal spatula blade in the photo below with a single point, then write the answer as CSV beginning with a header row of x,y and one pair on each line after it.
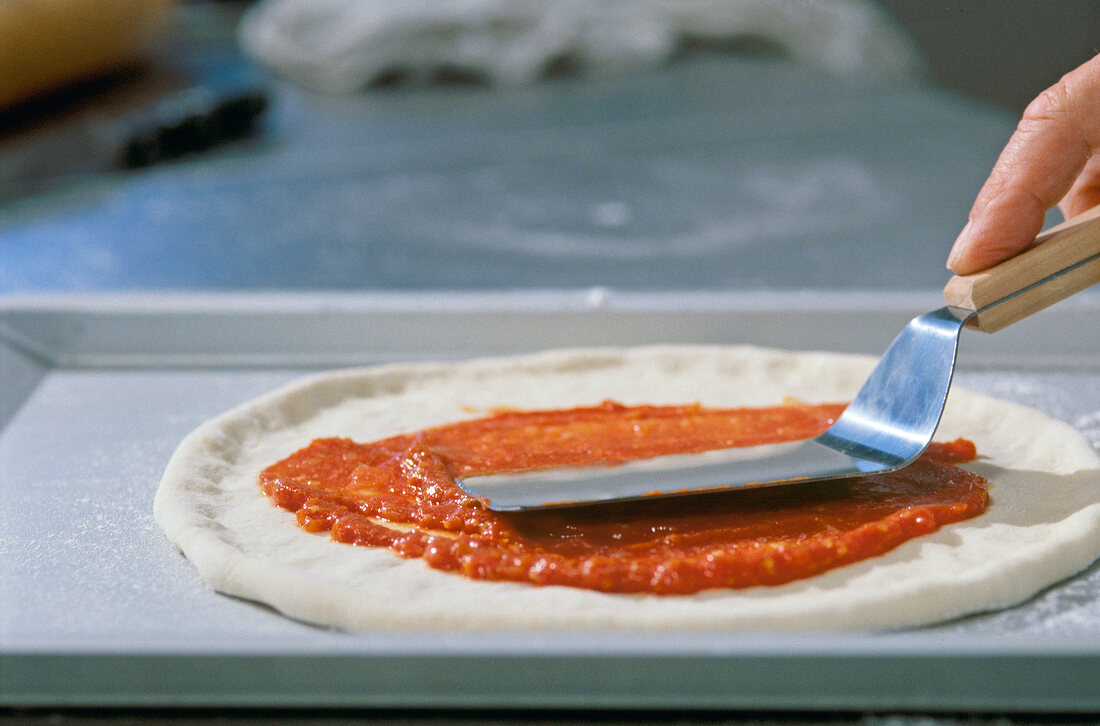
x,y
878,432
886,426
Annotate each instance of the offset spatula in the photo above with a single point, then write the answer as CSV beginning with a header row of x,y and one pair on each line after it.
x,y
888,423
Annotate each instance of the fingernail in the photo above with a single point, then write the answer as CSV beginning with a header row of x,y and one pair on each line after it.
x,y
960,245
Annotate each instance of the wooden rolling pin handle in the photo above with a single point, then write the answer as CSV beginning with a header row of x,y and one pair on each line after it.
x,y
1018,287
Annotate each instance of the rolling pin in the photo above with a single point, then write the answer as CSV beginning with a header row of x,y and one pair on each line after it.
x,y
47,44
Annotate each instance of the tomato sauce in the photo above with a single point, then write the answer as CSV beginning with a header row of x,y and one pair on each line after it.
x,y
400,493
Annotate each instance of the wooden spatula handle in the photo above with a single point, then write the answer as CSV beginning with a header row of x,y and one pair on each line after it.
x,y
1071,248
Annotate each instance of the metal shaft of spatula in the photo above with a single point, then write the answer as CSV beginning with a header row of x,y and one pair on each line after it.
x,y
889,422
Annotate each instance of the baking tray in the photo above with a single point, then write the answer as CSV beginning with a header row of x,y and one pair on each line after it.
x,y
98,609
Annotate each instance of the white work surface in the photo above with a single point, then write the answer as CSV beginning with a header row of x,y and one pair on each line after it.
x,y
99,609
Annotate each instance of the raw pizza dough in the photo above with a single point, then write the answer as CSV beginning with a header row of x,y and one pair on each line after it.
x,y
1042,525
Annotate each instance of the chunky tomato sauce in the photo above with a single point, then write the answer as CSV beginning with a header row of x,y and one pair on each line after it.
x,y
400,493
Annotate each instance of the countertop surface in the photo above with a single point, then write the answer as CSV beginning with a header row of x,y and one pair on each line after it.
x,y
716,172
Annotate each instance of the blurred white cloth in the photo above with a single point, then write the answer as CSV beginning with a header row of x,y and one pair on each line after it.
x,y
343,45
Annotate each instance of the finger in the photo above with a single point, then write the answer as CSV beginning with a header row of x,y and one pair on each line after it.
x,y
1085,192
1058,134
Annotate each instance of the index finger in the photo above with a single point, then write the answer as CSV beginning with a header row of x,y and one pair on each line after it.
x,y
1059,132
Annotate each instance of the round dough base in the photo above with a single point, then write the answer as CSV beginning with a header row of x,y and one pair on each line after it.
x,y
1042,524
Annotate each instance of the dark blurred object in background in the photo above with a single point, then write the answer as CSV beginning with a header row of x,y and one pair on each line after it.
x,y
1004,52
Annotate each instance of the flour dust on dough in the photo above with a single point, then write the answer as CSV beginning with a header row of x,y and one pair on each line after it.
x,y
1042,524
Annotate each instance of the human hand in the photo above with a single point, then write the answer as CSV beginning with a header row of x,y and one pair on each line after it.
x,y
1053,158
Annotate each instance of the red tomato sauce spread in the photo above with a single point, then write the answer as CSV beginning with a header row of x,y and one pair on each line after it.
x,y
400,493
